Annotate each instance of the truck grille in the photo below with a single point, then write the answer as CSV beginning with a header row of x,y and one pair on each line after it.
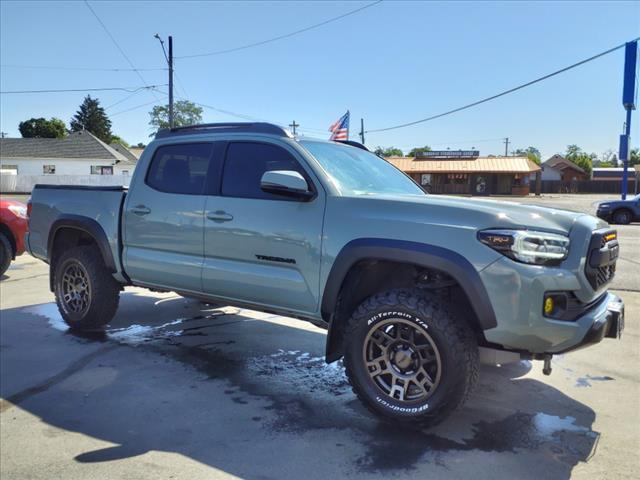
x,y
602,255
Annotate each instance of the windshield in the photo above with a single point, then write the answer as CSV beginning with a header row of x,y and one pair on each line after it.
x,y
358,172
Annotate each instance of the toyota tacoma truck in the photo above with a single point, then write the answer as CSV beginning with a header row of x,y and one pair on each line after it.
x,y
414,289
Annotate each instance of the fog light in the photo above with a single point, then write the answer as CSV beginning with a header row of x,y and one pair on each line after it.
x,y
549,305
555,305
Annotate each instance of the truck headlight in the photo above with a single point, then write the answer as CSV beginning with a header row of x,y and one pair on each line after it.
x,y
528,246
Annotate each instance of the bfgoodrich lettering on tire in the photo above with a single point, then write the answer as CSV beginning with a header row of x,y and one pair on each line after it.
x,y
408,358
86,293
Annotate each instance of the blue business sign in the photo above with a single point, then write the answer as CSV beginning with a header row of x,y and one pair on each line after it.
x,y
628,91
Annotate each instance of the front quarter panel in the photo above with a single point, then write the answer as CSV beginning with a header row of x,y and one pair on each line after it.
x,y
352,218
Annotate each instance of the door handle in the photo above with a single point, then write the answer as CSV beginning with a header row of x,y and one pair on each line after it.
x,y
219,216
140,210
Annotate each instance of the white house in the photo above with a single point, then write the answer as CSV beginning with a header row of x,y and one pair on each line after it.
x,y
78,159
80,153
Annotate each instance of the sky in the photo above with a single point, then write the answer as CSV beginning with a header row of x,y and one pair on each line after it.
x,y
391,63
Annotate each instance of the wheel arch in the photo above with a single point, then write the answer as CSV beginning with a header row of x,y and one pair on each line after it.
x,y
400,253
72,230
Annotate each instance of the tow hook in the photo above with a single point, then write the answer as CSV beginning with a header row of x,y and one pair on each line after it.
x,y
546,358
546,369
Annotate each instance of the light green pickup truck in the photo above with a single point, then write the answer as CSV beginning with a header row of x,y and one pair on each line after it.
x,y
415,290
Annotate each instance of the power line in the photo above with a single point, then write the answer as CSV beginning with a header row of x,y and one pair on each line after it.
x,y
501,94
281,37
106,89
133,108
122,101
235,114
118,46
89,69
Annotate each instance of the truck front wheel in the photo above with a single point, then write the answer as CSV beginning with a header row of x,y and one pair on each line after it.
x,y
408,358
86,293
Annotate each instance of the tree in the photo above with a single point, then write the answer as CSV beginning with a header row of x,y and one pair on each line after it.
x,y
92,117
140,145
608,157
121,141
418,150
43,128
184,113
634,157
582,159
532,153
388,152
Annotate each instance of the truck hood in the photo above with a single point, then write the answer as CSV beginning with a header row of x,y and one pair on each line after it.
x,y
477,213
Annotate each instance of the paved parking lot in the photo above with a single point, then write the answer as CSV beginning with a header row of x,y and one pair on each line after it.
x,y
179,389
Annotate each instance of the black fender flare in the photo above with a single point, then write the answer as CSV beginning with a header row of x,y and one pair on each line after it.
x,y
421,254
87,225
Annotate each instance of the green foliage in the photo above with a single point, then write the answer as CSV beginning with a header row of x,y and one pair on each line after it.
x,y
605,164
388,152
184,113
43,128
608,156
140,145
582,159
92,117
121,141
634,156
415,151
532,153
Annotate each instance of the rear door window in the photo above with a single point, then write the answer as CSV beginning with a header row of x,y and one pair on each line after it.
x,y
245,164
185,168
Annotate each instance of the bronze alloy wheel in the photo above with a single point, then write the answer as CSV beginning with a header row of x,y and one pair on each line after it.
x,y
76,289
402,360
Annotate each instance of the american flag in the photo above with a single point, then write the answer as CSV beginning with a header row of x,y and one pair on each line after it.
x,y
340,129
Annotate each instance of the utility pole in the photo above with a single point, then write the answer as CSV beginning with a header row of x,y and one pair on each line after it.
x,y
293,126
170,81
506,146
3,134
169,59
362,131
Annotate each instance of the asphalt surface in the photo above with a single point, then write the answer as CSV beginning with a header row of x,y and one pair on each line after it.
x,y
179,389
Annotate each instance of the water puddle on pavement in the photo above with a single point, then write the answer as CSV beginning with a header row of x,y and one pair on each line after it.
x,y
306,395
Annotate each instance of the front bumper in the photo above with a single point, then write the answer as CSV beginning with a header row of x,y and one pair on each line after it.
x,y
604,214
609,323
516,292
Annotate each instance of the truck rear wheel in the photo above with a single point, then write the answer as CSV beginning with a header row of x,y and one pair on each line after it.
x,y
86,293
408,358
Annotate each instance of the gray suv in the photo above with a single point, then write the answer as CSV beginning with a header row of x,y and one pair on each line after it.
x,y
415,290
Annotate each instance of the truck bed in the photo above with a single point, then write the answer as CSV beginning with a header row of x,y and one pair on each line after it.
x,y
59,205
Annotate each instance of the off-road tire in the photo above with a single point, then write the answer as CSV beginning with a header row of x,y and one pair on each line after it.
x,y
6,253
622,216
454,339
104,291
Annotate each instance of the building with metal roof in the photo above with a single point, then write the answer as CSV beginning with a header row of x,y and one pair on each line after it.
x,y
467,173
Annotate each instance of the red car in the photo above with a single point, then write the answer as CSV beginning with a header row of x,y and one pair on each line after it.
x,y
13,226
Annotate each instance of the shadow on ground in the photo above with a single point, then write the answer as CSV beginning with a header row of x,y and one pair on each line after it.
x,y
254,398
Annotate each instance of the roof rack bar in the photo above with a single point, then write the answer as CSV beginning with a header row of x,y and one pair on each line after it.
x,y
234,127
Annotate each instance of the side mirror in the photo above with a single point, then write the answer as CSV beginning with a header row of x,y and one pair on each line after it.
x,y
286,182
